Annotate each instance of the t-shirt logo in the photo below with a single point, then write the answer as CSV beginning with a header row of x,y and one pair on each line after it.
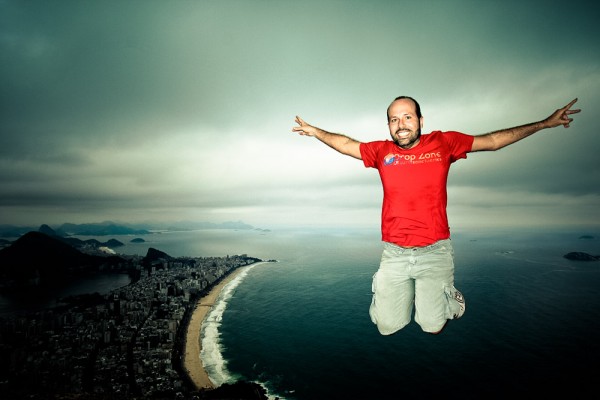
x,y
389,159
399,159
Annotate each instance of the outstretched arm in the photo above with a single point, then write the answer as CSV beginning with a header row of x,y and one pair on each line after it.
x,y
502,138
336,141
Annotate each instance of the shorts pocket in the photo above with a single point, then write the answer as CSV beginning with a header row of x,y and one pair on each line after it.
x,y
456,303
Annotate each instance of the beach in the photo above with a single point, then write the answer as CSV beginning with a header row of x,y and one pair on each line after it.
x,y
192,361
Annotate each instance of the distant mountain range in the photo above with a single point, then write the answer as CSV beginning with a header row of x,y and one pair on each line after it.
x,y
43,257
40,259
82,245
111,228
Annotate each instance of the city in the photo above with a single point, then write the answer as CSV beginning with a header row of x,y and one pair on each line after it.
x,y
125,344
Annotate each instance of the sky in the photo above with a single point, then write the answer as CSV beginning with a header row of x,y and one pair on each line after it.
x,y
157,111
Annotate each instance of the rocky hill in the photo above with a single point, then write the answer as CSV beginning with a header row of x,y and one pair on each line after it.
x,y
37,258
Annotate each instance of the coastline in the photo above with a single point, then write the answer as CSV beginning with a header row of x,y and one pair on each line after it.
x,y
193,342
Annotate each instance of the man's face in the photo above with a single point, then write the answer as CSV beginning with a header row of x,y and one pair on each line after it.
x,y
405,127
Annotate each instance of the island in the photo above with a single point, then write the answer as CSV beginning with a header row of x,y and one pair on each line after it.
x,y
580,256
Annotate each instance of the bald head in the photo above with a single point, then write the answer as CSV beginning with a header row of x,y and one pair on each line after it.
x,y
417,109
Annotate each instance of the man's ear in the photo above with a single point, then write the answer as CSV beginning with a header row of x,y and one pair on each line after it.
x,y
421,122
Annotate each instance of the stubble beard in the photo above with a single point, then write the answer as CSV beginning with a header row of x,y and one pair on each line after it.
x,y
409,141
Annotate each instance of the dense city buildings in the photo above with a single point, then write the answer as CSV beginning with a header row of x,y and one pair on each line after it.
x,y
124,344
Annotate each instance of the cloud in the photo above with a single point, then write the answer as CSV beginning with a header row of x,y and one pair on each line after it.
x,y
183,110
486,207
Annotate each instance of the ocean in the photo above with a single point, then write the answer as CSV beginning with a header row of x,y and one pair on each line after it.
x,y
300,327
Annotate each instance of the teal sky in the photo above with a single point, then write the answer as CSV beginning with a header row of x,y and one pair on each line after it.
x,y
137,111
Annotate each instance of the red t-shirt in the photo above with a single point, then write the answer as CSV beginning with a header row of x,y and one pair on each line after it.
x,y
414,185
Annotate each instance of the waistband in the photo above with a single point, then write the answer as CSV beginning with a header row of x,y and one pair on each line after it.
x,y
419,250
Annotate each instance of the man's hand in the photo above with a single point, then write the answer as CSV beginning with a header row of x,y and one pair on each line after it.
x,y
336,141
561,116
304,128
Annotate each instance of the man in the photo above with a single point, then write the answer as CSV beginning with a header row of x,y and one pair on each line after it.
x,y
417,263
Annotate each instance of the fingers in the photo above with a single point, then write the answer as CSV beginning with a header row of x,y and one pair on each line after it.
x,y
302,124
570,104
299,120
567,109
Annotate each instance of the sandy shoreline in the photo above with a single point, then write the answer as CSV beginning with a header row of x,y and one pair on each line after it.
x,y
192,362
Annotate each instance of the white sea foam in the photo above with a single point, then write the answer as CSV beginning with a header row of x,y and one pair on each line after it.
x,y
211,355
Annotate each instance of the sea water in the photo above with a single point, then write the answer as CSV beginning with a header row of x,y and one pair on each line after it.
x,y
300,326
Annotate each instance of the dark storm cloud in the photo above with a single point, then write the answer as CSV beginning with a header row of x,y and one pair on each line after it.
x,y
140,110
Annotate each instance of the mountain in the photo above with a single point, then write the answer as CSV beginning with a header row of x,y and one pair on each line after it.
x,y
47,230
99,229
155,257
90,246
111,228
67,229
40,259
